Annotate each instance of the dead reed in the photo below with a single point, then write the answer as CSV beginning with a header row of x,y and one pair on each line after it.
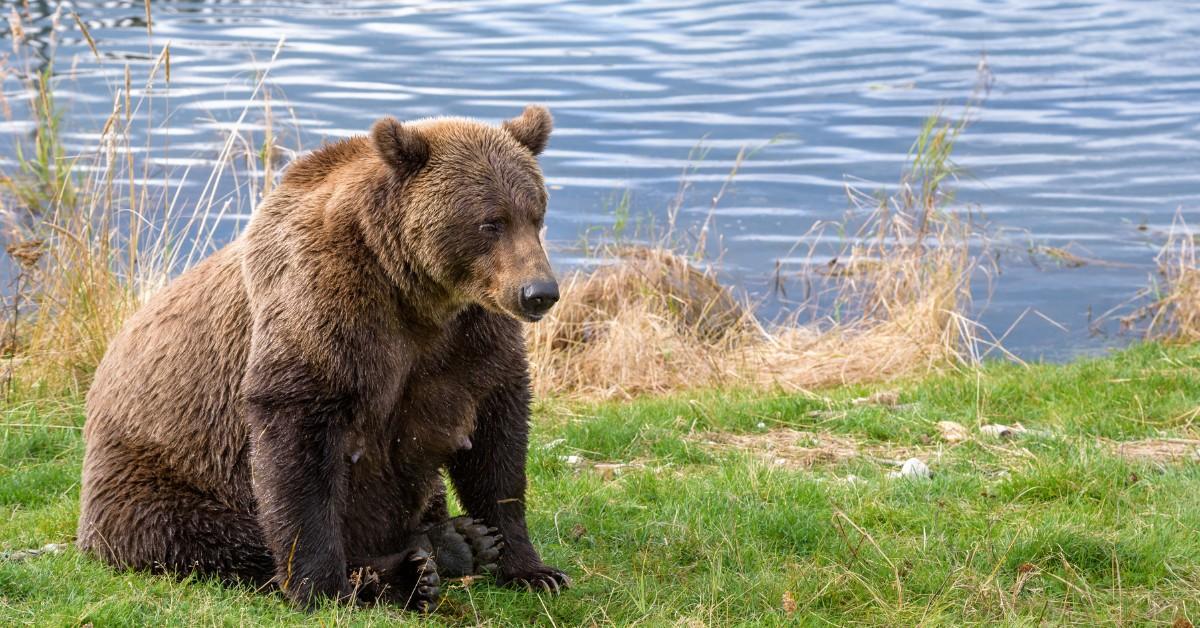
x,y
1173,311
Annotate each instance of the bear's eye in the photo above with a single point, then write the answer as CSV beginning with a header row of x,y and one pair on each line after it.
x,y
493,227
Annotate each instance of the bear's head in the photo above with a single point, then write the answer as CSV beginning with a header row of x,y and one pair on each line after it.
x,y
464,206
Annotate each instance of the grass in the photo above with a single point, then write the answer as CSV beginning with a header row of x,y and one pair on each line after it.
x,y
1050,527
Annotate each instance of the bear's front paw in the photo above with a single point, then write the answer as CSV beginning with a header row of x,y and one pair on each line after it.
x,y
409,578
539,578
423,595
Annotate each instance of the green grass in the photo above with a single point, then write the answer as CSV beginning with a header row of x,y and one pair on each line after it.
x,y
1051,527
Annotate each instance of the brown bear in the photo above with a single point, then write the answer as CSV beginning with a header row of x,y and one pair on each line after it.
x,y
282,412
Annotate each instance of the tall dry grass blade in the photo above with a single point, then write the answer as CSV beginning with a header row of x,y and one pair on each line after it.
x,y
87,35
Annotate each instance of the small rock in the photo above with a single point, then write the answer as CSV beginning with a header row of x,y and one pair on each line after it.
x,y
952,431
761,425
571,460
912,469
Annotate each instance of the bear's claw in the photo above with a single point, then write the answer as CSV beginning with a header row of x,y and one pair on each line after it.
x,y
423,592
409,578
540,579
486,543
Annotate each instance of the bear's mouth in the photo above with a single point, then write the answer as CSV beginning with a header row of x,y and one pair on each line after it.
x,y
525,317
512,312
516,313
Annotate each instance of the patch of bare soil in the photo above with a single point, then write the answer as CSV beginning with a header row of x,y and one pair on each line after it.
x,y
1160,449
797,449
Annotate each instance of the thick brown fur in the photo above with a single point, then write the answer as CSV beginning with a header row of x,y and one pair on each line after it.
x,y
281,412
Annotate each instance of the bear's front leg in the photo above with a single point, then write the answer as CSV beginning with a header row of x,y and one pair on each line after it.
x,y
299,481
490,480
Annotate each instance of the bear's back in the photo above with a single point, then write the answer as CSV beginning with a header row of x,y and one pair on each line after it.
x,y
169,382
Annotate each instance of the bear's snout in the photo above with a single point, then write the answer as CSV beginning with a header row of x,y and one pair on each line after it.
x,y
537,298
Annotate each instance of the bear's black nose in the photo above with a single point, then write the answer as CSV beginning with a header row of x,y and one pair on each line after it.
x,y
538,297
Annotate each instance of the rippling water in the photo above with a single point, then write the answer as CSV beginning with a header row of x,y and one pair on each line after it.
x,y
1089,137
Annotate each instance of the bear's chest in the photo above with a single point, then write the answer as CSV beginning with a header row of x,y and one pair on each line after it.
x,y
434,417
420,413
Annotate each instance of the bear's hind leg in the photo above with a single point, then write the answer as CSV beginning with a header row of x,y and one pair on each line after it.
x,y
145,521
465,547
462,546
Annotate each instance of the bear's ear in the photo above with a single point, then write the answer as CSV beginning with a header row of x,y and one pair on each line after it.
x,y
400,145
532,128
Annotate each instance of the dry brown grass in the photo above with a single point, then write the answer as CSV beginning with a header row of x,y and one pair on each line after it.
x,y
1174,311
648,320
93,234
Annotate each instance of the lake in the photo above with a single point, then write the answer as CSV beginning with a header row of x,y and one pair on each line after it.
x,y
1089,138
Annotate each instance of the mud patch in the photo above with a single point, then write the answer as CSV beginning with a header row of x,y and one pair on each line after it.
x,y
797,449
1160,449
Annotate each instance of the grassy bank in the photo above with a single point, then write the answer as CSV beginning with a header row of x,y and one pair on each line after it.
x,y
725,507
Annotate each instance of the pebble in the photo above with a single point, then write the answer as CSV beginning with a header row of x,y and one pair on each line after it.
x,y
912,469
952,431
